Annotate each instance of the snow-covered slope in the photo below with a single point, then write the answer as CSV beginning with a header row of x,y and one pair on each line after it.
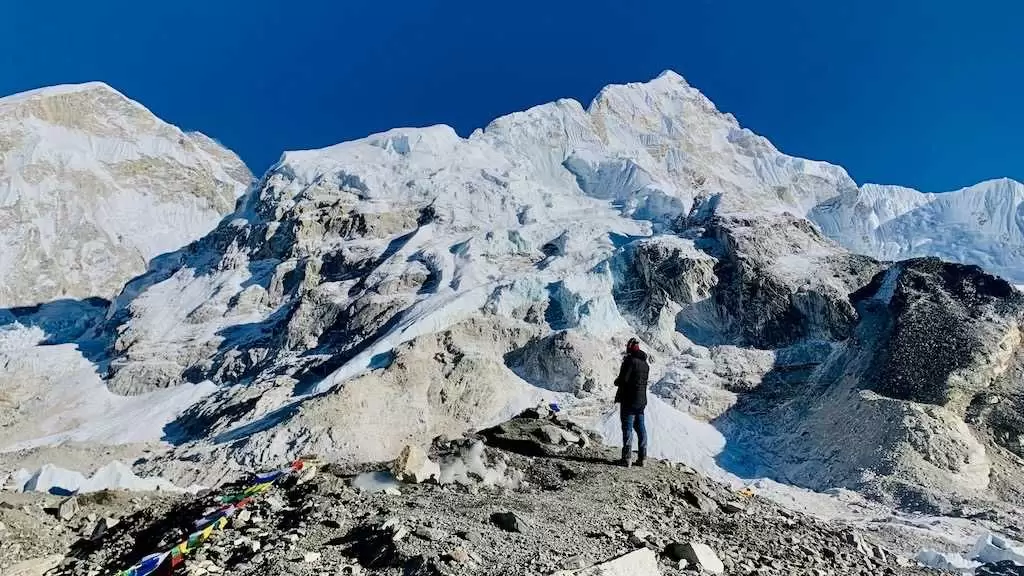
x,y
416,283
982,224
93,186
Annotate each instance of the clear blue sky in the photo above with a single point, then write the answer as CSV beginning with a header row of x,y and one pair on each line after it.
x,y
924,93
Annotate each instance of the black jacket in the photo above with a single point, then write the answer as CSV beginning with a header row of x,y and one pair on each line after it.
x,y
632,381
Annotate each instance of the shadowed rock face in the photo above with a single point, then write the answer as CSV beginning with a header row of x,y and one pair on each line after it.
x,y
309,279
919,405
654,272
953,329
780,280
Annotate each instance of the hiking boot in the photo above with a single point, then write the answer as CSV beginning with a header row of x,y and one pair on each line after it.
x,y
640,457
624,461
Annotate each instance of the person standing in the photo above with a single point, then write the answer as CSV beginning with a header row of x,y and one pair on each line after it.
x,y
631,395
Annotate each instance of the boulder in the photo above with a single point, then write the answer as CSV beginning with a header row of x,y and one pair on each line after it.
x,y
413,465
700,556
643,562
555,435
67,509
508,521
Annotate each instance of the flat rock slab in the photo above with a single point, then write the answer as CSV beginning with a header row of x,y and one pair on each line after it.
x,y
67,509
643,562
34,567
702,557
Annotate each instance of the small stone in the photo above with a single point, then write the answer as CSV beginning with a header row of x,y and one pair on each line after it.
x,y
293,538
275,503
392,491
628,526
471,536
67,509
507,521
242,517
400,534
733,507
550,434
308,473
99,529
459,555
573,563
639,538
311,557
556,435
699,501
429,534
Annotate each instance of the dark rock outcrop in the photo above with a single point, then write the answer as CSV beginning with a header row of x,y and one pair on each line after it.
x,y
946,331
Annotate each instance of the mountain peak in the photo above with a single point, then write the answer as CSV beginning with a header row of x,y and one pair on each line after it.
x,y
93,185
671,76
60,90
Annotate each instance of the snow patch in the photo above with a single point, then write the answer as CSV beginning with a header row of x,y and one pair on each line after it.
x,y
462,468
114,476
671,435
989,549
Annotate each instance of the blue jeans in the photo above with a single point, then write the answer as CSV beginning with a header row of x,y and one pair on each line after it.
x,y
633,420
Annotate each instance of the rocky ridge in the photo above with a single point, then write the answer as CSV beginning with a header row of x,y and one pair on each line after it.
x,y
566,511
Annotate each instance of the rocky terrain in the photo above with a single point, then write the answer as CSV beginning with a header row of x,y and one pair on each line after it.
x,y
919,385
547,500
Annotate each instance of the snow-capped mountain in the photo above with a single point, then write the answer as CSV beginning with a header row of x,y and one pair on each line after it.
x,y
416,283
93,186
982,224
